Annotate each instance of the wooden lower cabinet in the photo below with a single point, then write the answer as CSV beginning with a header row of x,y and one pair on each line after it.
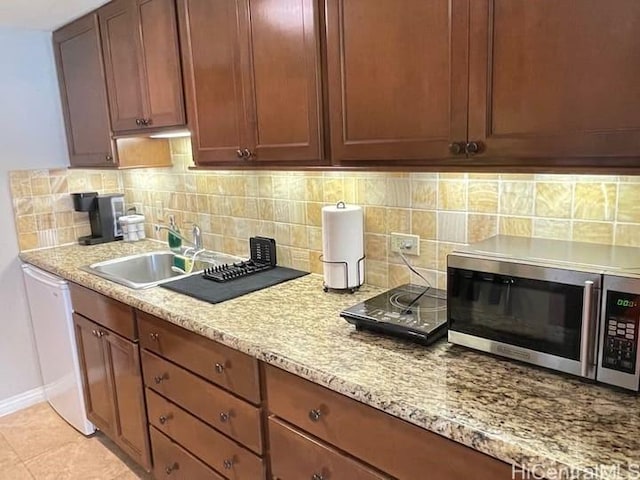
x,y
204,397
391,445
111,374
110,367
228,414
95,375
228,368
227,457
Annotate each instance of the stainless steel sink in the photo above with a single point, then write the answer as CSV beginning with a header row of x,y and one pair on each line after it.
x,y
147,270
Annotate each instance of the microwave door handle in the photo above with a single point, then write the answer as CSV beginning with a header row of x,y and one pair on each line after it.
x,y
586,357
508,304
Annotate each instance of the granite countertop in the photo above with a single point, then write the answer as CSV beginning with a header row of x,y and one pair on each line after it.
x,y
560,427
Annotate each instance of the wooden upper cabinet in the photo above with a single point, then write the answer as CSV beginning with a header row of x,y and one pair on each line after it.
x,y
252,80
556,79
397,78
213,83
160,58
142,63
284,67
83,93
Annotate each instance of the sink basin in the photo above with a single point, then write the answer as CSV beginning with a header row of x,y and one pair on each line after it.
x,y
147,270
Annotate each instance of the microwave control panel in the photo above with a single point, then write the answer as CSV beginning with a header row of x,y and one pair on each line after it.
x,y
621,335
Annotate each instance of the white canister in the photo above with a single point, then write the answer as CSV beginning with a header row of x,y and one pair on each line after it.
x,y
132,227
343,246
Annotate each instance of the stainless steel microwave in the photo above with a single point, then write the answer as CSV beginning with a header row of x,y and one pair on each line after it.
x,y
569,306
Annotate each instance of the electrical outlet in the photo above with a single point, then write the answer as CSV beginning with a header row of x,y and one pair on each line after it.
x,y
159,210
405,243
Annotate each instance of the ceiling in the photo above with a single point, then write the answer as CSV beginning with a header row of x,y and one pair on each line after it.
x,y
43,14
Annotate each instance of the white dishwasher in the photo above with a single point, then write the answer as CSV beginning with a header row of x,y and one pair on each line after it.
x,y
50,305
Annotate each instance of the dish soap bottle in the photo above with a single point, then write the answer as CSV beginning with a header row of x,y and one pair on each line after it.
x,y
174,241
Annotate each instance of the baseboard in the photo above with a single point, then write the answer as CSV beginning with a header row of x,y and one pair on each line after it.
x,y
23,400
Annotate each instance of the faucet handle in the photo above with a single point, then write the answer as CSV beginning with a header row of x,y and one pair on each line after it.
x,y
197,237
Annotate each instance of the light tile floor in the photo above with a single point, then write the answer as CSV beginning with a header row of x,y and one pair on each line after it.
x,y
36,444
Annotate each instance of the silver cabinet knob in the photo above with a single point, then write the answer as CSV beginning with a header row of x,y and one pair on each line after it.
x,y
228,464
154,336
161,378
247,154
94,333
108,158
240,153
314,415
139,122
219,367
171,468
317,476
165,418
101,333
224,417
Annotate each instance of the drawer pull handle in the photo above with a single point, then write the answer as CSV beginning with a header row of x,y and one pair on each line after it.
x,y
154,336
171,468
317,476
160,378
228,464
94,333
314,415
165,418
101,333
224,417
219,367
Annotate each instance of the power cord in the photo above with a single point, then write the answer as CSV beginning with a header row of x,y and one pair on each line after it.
x,y
407,309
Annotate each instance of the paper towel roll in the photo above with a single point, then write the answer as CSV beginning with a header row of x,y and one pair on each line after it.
x,y
343,241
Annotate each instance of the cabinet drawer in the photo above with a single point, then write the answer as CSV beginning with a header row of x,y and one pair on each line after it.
x,y
222,365
227,413
109,313
219,452
294,455
170,461
374,436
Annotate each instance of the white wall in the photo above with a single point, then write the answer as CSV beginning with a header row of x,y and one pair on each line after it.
x,y
31,136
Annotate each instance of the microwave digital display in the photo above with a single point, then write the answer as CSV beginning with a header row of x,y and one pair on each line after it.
x,y
625,302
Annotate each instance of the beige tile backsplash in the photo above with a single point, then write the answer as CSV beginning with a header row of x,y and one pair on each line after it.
x,y
42,206
445,209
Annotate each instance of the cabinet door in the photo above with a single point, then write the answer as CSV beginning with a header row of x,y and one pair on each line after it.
x,y
283,76
95,375
83,93
130,433
160,61
121,60
556,79
209,35
397,77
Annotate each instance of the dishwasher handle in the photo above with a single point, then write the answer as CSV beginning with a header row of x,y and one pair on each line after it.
x,y
44,277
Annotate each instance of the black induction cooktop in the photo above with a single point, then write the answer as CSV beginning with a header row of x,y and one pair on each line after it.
x,y
414,312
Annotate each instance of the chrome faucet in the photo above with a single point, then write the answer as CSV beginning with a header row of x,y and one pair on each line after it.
x,y
196,241
197,237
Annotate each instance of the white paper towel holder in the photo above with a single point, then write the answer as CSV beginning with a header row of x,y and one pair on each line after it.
x,y
359,282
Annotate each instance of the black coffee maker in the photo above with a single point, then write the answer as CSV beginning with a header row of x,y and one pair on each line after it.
x,y
104,211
